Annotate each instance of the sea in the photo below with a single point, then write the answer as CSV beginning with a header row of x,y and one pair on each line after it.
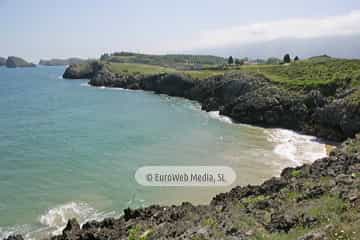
x,y
71,150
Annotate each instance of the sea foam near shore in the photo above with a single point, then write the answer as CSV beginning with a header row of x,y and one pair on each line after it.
x,y
222,118
54,220
296,147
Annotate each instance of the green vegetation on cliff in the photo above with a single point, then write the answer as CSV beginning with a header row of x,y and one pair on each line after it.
x,y
178,61
311,73
61,62
145,69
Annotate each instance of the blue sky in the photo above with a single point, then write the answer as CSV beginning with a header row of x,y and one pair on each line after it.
x,y
86,28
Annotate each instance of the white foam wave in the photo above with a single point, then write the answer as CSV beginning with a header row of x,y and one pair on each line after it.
x,y
296,147
60,77
56,218
17,229
53,221
222,118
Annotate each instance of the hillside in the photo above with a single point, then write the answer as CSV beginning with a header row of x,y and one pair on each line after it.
x,y
61,62
311,73
178,61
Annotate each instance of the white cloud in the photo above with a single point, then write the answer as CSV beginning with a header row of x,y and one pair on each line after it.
x,y
305,28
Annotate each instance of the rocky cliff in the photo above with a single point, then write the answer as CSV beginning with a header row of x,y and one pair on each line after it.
x,y
82,71
250,98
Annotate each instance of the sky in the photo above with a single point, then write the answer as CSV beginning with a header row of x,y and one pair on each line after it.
x,y
87,28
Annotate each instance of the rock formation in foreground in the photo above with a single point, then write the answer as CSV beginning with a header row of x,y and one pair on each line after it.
x,y
14,62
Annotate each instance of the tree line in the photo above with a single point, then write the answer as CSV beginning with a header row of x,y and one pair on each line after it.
x,y
272,60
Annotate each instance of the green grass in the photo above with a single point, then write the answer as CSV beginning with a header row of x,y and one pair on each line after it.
x,y
202,74
145,69
296,173
172,60
134,69
136,233
328,209
312,73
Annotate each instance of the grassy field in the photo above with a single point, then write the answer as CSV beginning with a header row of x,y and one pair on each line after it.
x,y
311,73
134,69
170,60
144,69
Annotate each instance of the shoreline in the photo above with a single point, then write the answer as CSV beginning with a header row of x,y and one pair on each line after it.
x,y
308,184
57,210
293,137
254,200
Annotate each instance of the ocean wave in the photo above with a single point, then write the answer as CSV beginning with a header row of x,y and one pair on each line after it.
x,y
222,118
296,147
54,220
108,88
17,229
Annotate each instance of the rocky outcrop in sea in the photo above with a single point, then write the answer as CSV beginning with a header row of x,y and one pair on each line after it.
x,y
14,62
2,61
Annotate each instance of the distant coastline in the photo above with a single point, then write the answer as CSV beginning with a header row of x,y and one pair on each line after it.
x,y
15,62
61,62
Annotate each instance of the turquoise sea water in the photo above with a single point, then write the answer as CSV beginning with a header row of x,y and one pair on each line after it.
x,y
70,150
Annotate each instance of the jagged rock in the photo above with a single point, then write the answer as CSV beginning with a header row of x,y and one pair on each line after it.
x,y
129,214
14,237
82,71
315,236
281,223
72,226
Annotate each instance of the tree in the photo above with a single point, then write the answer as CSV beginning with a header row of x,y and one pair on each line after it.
x,y
273,60
296,58
239,62
230,60
287,58
104,57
